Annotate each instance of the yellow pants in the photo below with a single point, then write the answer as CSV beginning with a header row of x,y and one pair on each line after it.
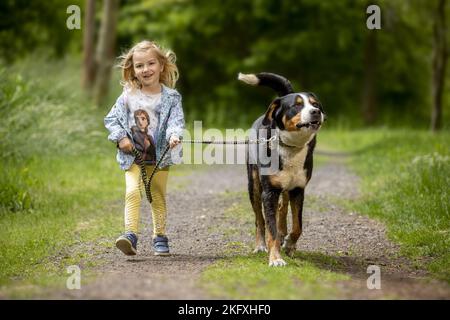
x,y
133,197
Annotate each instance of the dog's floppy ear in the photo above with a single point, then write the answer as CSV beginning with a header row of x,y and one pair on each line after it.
x,y
268,117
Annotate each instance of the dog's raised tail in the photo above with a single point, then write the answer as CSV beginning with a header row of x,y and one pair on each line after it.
x,y
280,84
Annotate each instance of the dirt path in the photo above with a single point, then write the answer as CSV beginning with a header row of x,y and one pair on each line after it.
x,y
197,226
192,211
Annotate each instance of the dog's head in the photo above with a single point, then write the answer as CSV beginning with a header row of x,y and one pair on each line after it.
x,y
296,112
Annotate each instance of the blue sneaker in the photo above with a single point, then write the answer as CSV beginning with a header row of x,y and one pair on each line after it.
x,y
161,246
127,243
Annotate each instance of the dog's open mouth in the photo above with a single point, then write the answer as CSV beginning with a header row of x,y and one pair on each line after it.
x,y
312,124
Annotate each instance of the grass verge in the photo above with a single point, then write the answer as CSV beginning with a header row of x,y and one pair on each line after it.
x,y
59,183
405,183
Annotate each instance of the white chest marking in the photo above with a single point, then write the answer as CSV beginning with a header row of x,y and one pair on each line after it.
x,y
293,174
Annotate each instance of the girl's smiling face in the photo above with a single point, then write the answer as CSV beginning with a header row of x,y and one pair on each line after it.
x,y
147,68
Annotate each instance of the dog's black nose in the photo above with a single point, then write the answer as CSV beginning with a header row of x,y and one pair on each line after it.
x,y
314,111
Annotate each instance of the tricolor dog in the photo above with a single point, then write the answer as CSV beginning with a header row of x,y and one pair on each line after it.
x,y
295,118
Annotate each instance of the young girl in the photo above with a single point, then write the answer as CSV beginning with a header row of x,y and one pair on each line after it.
x,y
151,107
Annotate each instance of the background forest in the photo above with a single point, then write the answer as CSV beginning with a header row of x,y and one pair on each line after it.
x,y
363,77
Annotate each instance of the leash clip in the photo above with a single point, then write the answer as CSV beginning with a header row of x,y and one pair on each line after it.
x,y
270,141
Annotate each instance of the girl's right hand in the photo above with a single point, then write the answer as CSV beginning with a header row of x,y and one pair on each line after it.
x,y
125,145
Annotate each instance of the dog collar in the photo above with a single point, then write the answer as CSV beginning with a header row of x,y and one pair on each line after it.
x,y
287,145
303,141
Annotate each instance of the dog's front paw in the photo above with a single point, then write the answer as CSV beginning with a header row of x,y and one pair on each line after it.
x,y
260,249
277,263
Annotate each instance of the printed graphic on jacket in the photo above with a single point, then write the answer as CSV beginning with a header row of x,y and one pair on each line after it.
x,y
143,141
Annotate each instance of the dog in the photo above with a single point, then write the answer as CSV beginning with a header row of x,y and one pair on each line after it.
x,y
295,118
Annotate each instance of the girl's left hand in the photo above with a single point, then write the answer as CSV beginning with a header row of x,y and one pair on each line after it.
x,y
174,140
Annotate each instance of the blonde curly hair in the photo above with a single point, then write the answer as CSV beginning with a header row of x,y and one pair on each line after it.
x,y
166,58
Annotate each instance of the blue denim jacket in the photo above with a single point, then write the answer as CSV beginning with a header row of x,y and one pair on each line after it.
x,y
171,121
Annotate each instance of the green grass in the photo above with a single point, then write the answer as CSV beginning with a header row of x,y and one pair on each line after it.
x,y
62,203
70,218
406,179
307,276
60,186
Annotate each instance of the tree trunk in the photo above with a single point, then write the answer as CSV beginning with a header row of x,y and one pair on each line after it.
x,y
105,49
440,56
369,96
88,46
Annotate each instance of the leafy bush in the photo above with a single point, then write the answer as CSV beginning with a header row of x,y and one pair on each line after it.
x,y
41,117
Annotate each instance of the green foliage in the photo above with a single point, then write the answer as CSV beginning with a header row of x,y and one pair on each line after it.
x,y
14,192
406,175
39,118
318,45
27,25
55,164
38,114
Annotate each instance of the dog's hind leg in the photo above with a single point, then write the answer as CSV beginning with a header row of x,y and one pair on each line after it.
x,y
296,199
283,206
254,191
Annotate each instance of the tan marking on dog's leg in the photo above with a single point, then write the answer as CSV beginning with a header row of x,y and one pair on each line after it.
x,y
290,241
283,206
275,259
296,227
